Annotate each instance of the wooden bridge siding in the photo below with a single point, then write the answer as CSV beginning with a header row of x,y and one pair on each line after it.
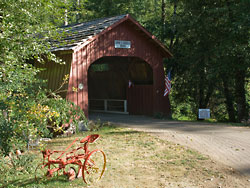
x,y
55,73
140,100
104,46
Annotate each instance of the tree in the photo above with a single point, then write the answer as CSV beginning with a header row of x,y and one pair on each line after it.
x,y
239,36
106,8
25,108
211,56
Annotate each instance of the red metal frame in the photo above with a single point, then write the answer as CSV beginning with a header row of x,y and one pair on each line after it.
x,y
71,158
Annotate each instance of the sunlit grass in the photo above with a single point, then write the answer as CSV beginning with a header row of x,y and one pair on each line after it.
x,y
134,159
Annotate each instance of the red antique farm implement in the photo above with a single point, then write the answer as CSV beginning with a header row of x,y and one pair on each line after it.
x,y
79,162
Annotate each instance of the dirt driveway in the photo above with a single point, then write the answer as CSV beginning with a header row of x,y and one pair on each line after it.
x,y
226,144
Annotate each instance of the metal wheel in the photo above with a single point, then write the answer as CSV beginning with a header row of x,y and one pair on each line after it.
x,y
94,166
71,172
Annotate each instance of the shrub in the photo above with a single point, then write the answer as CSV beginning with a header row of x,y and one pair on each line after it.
x,y
27,108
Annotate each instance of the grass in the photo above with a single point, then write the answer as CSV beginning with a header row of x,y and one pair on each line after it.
x,y
134,159
212,122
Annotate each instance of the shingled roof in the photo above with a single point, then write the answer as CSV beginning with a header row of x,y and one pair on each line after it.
x,y
80,33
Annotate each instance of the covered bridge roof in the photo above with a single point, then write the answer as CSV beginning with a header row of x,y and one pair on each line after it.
x,y
81,33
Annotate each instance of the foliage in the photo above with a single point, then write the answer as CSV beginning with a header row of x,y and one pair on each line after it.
x,y
211,57
183,111
26,107
27,111
107,7
22,23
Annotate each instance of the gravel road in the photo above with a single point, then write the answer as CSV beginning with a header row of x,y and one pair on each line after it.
x,y
223,143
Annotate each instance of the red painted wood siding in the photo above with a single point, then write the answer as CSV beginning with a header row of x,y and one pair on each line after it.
x,y
102,46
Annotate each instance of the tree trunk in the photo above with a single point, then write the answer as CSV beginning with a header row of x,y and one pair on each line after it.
x,y
174,26
240,95
210,91
205,89
229,100
77,11
240,76
163,16
201,90
66,14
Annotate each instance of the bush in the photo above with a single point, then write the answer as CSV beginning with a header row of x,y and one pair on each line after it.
x,y
27,108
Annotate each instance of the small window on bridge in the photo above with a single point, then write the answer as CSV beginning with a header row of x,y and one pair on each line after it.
x,y
100,67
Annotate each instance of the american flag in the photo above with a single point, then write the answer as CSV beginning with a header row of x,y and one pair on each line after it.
x,y
167,84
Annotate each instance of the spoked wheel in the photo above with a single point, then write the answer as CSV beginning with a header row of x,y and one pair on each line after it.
x,y
41,172
94,166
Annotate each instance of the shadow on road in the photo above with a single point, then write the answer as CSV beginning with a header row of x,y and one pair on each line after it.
x,y
149,122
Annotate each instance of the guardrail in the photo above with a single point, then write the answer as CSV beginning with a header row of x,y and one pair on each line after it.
x,y
108,105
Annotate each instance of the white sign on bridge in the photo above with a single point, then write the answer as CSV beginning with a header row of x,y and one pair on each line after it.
x,y
122,44
204,113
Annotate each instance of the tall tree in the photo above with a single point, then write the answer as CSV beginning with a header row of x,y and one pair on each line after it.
x,y
173,26
239,34
163,18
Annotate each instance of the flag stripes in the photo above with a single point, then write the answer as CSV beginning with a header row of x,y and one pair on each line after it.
x,y
167,84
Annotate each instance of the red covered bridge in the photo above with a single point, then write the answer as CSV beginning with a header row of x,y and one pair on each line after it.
x,y
101,57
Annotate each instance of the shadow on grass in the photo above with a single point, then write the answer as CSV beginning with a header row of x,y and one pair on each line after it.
x,y
121,132
61,141
31,181
245,171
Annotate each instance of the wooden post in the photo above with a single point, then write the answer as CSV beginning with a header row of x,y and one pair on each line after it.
x,y
105,105
125,105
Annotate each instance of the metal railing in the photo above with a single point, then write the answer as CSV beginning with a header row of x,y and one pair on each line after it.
x,y
108,105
